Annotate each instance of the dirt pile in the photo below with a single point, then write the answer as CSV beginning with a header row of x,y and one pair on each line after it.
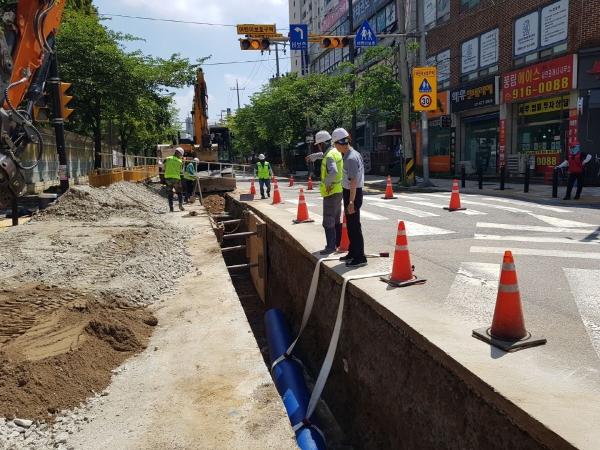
x,y
214,204
64,352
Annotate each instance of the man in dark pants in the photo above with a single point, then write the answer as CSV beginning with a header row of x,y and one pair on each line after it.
x,y
264,172
352,182
576,162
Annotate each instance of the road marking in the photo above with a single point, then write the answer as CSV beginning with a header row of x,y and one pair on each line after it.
x,y
403,209
473,292
296,201
508,226
468,212
548,240
536,252
317,218
561,222
585,286
371,216
487,205
416,229
527,204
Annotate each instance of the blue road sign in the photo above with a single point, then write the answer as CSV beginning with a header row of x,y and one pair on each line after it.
x,y
298,36
425,86
365,36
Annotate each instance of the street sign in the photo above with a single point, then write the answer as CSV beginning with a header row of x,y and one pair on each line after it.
x,y
365,36
298,36
257,30
425,88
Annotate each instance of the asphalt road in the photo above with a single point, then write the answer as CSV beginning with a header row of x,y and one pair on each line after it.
x,y
556,249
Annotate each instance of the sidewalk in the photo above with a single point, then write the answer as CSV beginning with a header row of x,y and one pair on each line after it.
x,y
537,192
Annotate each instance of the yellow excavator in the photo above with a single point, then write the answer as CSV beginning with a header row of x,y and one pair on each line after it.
x,y
28,68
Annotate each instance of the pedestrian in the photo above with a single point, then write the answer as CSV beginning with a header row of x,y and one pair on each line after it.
x,y
173,165
190,176
575,162
264,173
331,189
352,183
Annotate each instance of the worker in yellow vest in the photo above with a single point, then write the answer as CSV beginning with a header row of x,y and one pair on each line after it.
x,y
190,176
332,168
173,165
264,173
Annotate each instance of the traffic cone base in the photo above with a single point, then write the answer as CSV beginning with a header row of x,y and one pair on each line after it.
x,y
303,221
484,334
399,284
508,325
454,209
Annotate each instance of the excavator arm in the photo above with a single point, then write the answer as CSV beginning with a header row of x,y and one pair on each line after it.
x,y
27,33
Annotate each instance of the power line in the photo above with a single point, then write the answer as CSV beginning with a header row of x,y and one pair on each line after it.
x,y
189,22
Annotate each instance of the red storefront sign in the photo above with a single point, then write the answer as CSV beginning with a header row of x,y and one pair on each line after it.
x,y
547,78
573,128
502,143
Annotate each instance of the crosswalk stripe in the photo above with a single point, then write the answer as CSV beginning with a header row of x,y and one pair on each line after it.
x,y
371,216
561,222
585,286
468,212
508,226
317,218
295,202
546,240
473,292
536,252
417,229
527,204
486,205
403,209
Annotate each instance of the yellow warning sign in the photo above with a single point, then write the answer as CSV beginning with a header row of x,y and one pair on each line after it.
x,y
257,30
424,88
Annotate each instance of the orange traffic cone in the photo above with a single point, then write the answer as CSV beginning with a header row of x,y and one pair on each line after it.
x,y
508,326
291,181
402,270
276,195
455,199
310,184
345,242
389,192
252,187
302,216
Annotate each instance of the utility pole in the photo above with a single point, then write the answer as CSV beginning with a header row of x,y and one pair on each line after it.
x,y
407,148
351,49
424,123
237,88
59,123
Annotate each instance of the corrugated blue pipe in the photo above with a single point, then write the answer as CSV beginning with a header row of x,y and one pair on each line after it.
x,y
289,381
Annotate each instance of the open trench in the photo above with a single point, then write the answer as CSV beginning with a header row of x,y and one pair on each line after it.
x,y
389,386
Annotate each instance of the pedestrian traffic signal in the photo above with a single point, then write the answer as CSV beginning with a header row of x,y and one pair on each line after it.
x,y
255,44
64,100
335,42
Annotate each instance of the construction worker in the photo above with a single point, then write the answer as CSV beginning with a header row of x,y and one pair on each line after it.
x,y
352,183
264,173
576,162
331,189
173,165
189,178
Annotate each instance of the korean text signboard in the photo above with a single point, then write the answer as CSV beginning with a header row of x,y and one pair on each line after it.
x,y
474,96
527,33
547,78
257,30
543,106
555,23
425,88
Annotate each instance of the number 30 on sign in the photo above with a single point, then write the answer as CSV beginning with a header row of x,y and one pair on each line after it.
x,y
424,88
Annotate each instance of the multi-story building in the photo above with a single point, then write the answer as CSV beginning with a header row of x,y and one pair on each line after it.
x,y
519,79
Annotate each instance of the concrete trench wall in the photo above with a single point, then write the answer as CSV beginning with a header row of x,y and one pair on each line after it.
x,y
389,387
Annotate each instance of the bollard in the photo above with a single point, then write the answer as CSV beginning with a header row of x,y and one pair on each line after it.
x,y
463,176
555,184
527,175
480,176
502,177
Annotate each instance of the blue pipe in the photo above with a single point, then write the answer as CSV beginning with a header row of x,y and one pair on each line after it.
x,y
289,380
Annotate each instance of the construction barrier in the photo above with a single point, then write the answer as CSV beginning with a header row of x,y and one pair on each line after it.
x,y
106,177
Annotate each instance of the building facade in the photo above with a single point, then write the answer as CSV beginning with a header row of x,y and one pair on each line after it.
x,y
521,79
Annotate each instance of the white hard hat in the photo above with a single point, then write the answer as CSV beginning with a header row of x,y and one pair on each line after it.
x,y
196,160
179,150
339,134
261,157
322,136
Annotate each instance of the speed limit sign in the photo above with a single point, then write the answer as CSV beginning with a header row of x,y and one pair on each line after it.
x,y
425,101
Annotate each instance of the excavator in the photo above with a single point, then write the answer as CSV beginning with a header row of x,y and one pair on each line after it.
x,y
27,64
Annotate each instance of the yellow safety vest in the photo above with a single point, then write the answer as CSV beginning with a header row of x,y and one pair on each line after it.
x,y
262,169
336,186
173,167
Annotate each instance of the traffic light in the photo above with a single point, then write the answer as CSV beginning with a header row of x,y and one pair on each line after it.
x,y
64,100
335,42
255,44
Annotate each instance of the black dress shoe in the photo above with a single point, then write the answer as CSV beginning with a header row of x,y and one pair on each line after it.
x,y
357,263
345,258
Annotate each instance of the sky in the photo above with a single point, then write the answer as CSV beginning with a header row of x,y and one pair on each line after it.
x,y
196,41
